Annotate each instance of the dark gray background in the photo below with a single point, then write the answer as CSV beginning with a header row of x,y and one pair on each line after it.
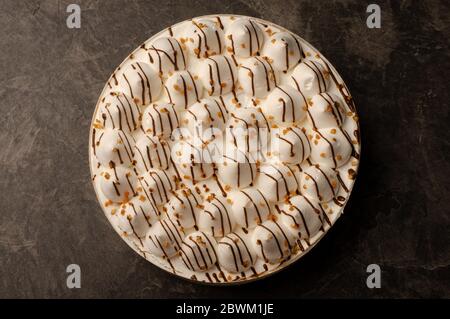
x,y
398,216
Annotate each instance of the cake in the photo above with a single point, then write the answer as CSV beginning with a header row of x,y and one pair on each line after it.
x,y
223,148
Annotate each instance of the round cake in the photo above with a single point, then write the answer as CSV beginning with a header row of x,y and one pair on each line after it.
x,y
224,148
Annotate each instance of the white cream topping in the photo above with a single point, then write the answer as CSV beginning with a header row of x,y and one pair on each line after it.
x,y
118,111
166,56
203,38
310,78
156,185
114,147
194,161
216,218
244,38
218,75
301,216
135,217
160,119
234,252
139,81
198,251
319,183
284,105
250,207
151,152
276,181
290,145
118,184
236,169
248,130
164,238
257,77
325,110
183,89
271,242
330,147
184,207
208,113
283,51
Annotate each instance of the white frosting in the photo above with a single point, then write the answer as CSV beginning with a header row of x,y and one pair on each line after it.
x,y
248,130
250,207
136,216
234,254
183,88
330,147
271,242
325,110
319,183
183,207
160,119
276,181
198,251
164,238
118,111
156,185
257,77
237,169
216,218
118,184
151,152
139,81
193,161
310,78
284,105
203,38
166,56
218,75
208,113
290,145
283,50
301,216
244,38
114,146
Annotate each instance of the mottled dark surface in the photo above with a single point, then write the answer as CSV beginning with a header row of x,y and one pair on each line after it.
x,y
398,216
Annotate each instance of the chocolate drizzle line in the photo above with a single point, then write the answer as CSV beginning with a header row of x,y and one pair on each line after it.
x,y
200,40
342,182
250,44
218,76
265,72
222,190
256,209
324,214
252,77
234,254
256,35
333,156
284,104
316,185
220,22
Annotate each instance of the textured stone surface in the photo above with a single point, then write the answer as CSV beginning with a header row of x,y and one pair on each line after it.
x,y
398,216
